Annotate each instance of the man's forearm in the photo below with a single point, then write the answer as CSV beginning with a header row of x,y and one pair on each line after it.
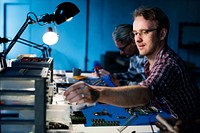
x,y
130,97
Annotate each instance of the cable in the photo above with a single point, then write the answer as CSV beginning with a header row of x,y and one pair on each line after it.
x,y
128,122
151,123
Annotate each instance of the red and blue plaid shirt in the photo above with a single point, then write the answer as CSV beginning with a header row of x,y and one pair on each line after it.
x,y
173,88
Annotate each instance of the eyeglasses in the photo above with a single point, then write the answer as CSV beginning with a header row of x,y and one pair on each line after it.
x,y
123,48
131,35
143,32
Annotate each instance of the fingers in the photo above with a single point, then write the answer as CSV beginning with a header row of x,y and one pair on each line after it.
x,y
74,92
161,126
78,93
166,125
103,72
74,87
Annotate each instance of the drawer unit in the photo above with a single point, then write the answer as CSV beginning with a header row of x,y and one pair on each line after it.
x,y
23,99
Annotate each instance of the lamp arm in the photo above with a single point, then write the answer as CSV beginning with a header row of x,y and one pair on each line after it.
x,y
28,21
2,60
34,45
27,41
49,51
3,54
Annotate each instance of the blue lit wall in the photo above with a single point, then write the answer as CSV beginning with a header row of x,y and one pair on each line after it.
x,y
89,33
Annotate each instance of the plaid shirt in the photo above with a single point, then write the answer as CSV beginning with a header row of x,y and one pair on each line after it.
x,y
135,73
173,88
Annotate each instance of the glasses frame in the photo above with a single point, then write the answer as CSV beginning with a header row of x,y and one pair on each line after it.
x,y
144,32
123,48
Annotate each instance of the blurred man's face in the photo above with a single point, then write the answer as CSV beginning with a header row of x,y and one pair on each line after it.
x,y
126,49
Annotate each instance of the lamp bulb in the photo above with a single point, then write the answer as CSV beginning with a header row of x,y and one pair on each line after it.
x,y
69,19
50,38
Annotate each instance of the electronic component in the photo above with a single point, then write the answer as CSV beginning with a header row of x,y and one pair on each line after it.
x,y
56,125
103,122
102,113
142,110
77,117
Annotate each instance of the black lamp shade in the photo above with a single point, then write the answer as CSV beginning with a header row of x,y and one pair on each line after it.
x,y
65,11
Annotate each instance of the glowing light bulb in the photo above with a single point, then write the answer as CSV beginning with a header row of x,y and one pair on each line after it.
x,y
50,37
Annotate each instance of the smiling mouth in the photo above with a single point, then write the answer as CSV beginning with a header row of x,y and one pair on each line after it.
x,y
141,46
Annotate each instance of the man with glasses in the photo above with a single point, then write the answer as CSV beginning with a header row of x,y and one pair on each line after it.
x,y
169,84
124,41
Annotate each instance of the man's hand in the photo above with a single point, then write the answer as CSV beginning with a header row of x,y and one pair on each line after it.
x,y
103,72
81,93
180,126
165,125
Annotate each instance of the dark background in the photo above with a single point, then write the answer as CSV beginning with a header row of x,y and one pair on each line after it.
x,y
87,37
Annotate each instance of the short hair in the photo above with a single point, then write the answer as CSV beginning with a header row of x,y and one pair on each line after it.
x,y
123,33
153,14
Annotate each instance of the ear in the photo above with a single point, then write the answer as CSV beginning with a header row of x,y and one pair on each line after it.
x,y
163,34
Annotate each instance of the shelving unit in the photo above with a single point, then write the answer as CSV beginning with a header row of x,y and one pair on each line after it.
x,y
191,45
23,99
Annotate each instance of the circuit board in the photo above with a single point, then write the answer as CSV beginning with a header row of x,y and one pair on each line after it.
x,y
108,115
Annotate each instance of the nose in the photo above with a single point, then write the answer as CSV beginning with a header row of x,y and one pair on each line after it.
x,y
138,38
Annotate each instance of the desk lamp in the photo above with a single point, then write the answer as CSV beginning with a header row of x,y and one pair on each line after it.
x,y
62,13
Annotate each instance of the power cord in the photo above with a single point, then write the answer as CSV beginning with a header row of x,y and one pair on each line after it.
x,y
151,123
